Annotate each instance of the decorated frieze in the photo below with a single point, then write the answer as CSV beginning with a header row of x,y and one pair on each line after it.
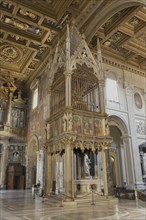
x,y
141,127
77,124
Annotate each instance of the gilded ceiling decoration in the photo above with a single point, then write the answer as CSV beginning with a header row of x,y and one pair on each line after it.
x,y
30,28
21,25
10,53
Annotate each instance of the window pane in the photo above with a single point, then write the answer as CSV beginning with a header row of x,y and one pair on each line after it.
x,y
111,90
35,98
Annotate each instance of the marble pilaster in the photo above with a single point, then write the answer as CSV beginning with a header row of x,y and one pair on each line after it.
x,y
134,149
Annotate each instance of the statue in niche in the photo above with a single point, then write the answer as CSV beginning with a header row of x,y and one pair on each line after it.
x,y
19,98
15,156
87,164
15,117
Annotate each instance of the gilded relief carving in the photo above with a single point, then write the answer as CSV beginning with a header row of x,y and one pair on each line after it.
x,y
10,53
28,14
97,127
67,121
88,126
77,127
21,25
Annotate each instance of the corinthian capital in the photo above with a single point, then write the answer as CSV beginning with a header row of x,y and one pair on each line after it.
x,y
68,140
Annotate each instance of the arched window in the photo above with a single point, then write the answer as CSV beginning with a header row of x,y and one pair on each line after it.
x,y
112,90
35,98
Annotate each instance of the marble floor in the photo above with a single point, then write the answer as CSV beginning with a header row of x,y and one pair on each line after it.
x,y
19,205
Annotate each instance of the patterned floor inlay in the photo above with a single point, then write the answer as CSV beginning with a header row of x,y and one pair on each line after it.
x,y
19,205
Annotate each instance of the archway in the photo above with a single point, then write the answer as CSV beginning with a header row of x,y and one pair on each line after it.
x,y
142,152
122,169
31,161
89,29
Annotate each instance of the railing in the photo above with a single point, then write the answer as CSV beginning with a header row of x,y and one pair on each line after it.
x,y
81,105
141,195
121,192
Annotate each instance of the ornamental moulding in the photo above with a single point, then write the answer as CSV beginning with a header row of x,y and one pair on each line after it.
x,y
123,66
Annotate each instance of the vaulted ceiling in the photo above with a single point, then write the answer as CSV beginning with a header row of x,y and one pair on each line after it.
x,y
29,28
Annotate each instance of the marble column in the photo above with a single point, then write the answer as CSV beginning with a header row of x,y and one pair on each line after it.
x,y
144,164
95,166
123,164
4,160
101,96
69,186
128,160
104,169
37,167
67,89
8,121
53,173
48,175
41,168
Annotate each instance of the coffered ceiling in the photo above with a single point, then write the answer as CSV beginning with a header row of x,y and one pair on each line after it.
x,y
29,28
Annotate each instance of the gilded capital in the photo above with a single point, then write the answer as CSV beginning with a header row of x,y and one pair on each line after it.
x,y
68,140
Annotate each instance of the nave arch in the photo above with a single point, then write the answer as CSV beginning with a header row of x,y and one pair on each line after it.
x,y
121,155
101,17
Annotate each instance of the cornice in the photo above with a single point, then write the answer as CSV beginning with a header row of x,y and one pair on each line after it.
x,y
123,66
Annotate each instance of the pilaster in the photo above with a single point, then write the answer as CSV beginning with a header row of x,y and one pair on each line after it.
x,y
134,142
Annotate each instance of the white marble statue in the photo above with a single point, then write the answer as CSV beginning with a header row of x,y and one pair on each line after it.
x,y
87,163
